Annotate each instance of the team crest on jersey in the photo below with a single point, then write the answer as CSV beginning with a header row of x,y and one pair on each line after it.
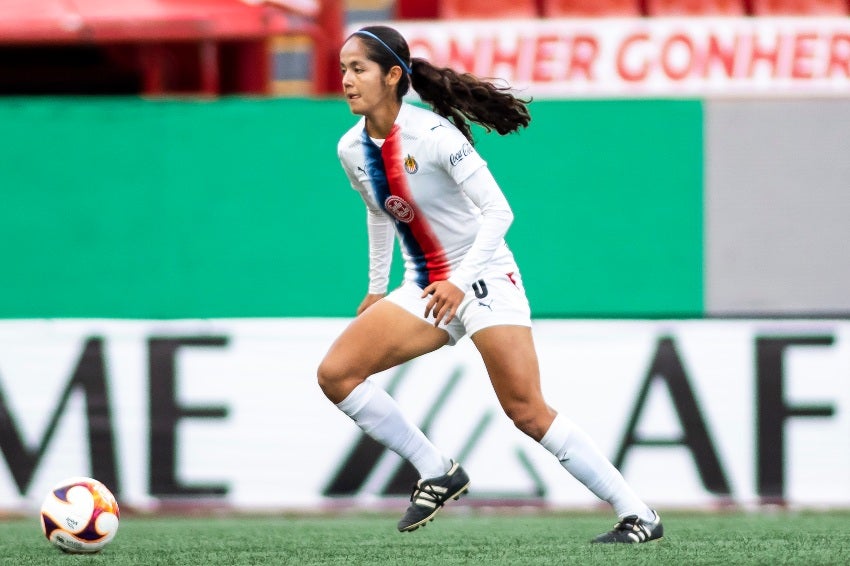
x,y
399,208
410,164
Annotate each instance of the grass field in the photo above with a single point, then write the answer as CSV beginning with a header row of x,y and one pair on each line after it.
x,y
458,536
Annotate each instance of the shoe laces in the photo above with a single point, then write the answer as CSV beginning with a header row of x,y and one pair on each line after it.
x,y
429,492
626,523
632,524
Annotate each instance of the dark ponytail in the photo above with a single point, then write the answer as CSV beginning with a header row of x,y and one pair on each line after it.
x,y
459,97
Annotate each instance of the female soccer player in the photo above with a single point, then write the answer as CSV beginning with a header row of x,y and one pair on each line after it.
x,y
421,180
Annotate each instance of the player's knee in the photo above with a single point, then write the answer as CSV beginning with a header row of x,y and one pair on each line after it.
x,y
335,379
526,417
521,415
329,376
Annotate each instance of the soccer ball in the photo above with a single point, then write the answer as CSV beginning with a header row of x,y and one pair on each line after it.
x,y
79,515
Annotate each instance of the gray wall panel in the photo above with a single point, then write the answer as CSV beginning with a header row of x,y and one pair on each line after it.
x,y
777,206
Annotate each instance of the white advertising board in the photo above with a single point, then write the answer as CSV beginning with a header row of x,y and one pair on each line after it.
x,y
227,412
640,57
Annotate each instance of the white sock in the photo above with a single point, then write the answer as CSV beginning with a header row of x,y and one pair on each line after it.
x,y
579,456
380,417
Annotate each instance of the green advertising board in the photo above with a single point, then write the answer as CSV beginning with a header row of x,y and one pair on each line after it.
x,y
131,208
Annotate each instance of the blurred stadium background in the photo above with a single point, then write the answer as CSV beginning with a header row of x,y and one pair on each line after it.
x,y
179,247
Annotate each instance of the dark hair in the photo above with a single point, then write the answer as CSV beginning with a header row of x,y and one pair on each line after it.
x,y
456,96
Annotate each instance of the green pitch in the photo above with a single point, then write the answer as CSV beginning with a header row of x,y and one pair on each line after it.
x,y
457,536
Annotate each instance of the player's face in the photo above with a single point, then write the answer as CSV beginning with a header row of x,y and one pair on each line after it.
x,y
363,81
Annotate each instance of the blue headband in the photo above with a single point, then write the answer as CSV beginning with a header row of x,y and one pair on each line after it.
x,y
401,62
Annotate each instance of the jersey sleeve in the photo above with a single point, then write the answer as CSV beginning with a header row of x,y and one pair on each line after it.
x,y
381,237
380,233
497,216
456,154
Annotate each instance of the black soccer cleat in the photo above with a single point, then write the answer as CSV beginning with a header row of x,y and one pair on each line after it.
x,y
430,494
633,529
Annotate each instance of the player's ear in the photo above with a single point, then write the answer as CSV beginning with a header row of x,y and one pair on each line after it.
x,y
394,75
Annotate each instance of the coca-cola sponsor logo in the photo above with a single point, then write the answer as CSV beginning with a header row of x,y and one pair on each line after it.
x,y
458,156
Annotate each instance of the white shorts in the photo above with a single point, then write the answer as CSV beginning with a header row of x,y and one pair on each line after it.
x,y
495,299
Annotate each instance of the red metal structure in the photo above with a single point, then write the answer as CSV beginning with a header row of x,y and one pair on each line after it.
x,y
487,9
800,7
591,8
207,47
674,8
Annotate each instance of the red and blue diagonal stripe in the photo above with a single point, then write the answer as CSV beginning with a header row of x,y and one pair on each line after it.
x,y
385,167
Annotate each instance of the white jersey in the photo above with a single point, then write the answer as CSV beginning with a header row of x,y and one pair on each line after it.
x,y
418,182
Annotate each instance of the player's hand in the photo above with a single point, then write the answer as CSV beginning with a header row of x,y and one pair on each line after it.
x,y
445,300
370,300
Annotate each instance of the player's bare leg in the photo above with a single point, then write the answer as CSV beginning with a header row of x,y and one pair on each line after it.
x,y
384,336
511,360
